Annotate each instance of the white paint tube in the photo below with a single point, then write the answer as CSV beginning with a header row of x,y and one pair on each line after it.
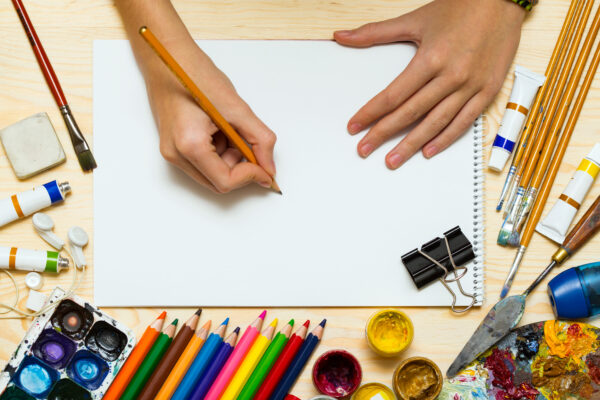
x,y
558,220
523,92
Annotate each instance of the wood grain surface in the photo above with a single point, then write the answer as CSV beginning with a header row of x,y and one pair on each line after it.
x,y
67,29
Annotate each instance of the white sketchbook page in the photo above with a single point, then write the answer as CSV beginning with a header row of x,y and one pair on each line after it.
x,y
336,235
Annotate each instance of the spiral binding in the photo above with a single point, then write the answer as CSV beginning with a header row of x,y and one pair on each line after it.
x,y
478,210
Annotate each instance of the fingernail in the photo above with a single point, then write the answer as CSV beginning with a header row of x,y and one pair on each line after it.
x,y
366,149
355,127
431,151
265,184
395,160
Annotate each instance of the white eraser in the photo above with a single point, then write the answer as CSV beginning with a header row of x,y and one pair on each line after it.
x,y
34,281
35,300
498,158
32,146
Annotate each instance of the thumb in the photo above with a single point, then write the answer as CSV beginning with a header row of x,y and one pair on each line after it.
x,y
245,172
399,29
262,140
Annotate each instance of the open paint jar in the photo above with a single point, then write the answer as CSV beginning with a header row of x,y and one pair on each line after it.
x,y
374,390
417,378
389,332
337,373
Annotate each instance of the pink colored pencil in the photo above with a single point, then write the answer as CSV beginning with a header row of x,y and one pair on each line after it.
x,y
236,358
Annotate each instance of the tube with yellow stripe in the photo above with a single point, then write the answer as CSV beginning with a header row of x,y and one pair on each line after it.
x,y
558,220
523,92
13,258
23,204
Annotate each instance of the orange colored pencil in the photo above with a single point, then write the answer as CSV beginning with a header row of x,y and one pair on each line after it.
x,y
136,357
203,101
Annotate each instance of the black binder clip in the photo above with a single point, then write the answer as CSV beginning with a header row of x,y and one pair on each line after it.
x,y
437,258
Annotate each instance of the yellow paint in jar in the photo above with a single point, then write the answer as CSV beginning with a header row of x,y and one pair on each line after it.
x,y
374,391
389,332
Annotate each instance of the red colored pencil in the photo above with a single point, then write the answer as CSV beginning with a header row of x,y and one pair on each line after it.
x,y
82,150
283,362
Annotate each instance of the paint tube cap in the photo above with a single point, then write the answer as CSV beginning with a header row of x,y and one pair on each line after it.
x,y
35,300
498,159
567,295
594,155
34,281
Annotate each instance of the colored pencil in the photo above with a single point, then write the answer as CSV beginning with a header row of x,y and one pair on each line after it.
x,y
543,138
200,98
150,362
119,384
564,140
266,362
170,358
281,365
82,149
249,363
202,360
233,363
300,360
184,362
223,354
551,73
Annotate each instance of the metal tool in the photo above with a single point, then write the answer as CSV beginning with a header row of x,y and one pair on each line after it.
x,y
507,313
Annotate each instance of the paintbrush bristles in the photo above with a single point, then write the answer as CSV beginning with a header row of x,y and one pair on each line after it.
x,y
87,160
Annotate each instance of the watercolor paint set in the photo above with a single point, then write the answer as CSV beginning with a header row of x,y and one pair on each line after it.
x,y
71,352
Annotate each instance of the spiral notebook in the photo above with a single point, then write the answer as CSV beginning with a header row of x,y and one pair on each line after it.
x,y
334,238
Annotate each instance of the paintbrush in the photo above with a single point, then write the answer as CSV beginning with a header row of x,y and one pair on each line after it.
x,y
551,73
203,102
544,141
507,313
82,149
540,201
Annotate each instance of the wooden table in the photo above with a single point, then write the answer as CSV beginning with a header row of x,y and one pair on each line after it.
x,y
67,29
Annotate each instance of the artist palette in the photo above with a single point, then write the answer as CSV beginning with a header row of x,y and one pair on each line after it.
x,y
71,352
546,360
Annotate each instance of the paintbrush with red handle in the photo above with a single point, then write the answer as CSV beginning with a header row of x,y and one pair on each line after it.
x,y
82,149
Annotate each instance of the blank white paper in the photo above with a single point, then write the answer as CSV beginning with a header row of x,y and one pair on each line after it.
x,y
334,238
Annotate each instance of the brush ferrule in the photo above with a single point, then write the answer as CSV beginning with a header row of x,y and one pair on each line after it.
x,y
79,143
507,184
512,193
560,255
515,267
525,208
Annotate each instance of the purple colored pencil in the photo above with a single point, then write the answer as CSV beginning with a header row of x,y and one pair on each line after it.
x,y
214,368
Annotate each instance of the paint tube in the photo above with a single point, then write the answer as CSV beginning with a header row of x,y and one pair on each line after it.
x,y
558,220
523,92
13,258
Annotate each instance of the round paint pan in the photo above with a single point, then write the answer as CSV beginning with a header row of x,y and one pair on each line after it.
x,y
337,373
417,378
389,332
374,390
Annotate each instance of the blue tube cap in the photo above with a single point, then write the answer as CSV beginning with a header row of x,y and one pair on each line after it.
x,y
567,296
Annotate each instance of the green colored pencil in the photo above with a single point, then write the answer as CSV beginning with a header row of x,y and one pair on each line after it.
x,y
150,362
266,362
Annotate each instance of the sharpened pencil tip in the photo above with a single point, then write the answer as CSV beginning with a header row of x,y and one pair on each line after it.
x,y
263,315
307,323
162,315
226,321
206,326
274,323
236,330
175,321
291,322
323,322
198,312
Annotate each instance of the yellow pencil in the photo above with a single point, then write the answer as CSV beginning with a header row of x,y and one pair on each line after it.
x,y
247,366
183,363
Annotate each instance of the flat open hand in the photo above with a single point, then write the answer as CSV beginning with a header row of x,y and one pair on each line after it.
x,y
465,48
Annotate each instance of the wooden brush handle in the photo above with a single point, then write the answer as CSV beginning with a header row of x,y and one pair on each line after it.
x,y
585,228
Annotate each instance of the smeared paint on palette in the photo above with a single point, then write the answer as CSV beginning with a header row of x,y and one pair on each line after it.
x,y
72,352
546,360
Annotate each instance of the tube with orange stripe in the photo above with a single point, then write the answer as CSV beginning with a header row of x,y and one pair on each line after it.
x,y
32,260
23,204
523,92
558,220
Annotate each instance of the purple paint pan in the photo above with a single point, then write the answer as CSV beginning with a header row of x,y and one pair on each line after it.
x,y
337,373
54,349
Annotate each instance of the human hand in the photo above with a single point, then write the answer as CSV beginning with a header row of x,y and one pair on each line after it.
x,y
192,142
465,48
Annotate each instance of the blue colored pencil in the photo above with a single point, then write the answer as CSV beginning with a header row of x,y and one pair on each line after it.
x,y
213,370
202,360
297,365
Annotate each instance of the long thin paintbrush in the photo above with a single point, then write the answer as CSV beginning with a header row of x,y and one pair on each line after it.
x,y
564,140
543,138
551,74
82,149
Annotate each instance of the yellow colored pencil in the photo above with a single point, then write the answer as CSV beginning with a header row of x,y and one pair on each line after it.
x,y
183,363
247,366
